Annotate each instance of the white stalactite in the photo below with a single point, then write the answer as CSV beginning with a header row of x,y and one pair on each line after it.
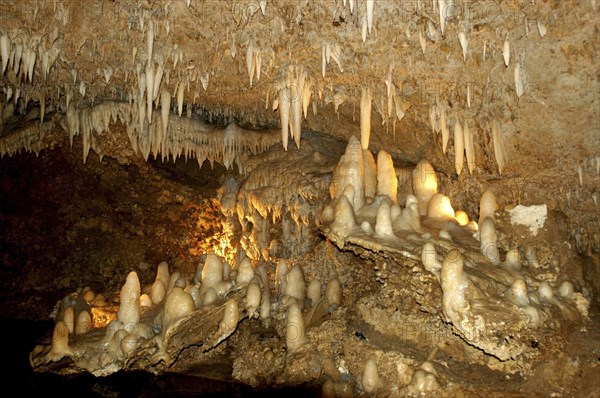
x,y
4,51
459,147
506,52
370,12
284,115
180,89
518,80
165,107
469,150
250,61
150,41
499,151
445,131
464,44
365,117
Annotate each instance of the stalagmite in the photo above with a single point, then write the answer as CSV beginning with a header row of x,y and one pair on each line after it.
x,y
370,378
231,316
459,147
518,293
333,293
129,306
387,182
383,223
454,285
295,286
429,259
425,184
212,272
84,323
350,171
344,220
253,295
178,305
440,208
158,292
488,239
69,319
313,292
60,342
365,117
487,205
295,334
370,174
245,272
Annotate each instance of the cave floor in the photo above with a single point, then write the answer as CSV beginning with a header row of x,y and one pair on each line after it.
x,y
66,225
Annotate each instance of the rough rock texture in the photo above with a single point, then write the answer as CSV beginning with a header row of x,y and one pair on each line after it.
x,y
122,101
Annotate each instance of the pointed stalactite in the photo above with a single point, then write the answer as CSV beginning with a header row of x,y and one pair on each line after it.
x,y
464,44
506,52
42,105
149,91
180,88
442,14
296,80
459,147
250,61
518,79
150,41
165,107
158,75
4,51
365,117
284,115
469,150
499,151
370,12
445,131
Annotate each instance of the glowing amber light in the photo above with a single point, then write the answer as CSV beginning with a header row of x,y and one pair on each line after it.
x,y
102,316
440,207
461,218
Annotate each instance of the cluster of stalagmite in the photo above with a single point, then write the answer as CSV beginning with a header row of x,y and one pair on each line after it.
x,y
148,320
474,267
